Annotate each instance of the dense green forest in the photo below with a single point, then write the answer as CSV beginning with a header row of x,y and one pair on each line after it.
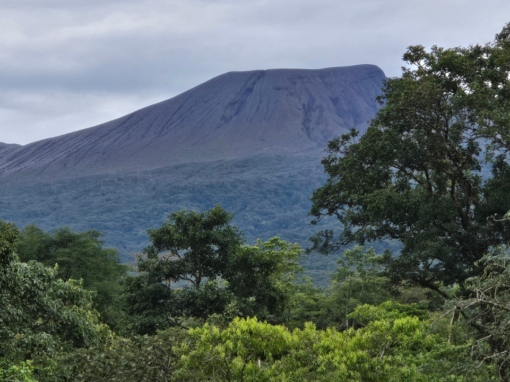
x,y
431,173
269,195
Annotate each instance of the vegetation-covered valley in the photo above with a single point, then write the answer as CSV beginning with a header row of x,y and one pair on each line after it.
x,y
206,302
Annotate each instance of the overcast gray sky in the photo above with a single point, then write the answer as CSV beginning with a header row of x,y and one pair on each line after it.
x,y
70,64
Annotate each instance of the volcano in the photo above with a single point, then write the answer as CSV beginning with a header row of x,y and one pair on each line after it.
x,y
250,141
234,115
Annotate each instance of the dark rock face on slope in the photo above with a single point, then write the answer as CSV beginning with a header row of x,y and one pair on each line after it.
x,y
250,141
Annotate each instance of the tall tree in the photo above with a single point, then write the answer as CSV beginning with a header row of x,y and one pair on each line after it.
x,y
192,248
432,169
197,266
195,246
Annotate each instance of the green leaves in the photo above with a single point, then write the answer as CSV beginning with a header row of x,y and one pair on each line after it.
x,y
80,256
234,353
135,359
23,372
393,346
488,310
41,315
261,279
191,248
358,264
8,235
217,274
196,245
358,281
386,342
432,172
420,173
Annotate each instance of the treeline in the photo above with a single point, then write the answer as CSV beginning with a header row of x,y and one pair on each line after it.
x,y
432,172
205,306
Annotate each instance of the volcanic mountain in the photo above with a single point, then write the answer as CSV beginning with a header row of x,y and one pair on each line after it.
x,y
234,115
251,141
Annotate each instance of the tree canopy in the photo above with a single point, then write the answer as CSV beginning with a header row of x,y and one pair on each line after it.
x,y
80,256
197,266
393,345
41,315
432,169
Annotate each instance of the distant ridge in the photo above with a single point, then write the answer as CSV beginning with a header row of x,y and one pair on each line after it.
x,y
234,115
5,146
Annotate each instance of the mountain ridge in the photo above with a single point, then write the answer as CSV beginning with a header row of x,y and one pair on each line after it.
x,y
4,146
287,110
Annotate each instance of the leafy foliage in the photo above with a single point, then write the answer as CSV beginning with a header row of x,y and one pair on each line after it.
x,y
24,372
417,175
261,279
389,342
41,315
224,276
133,359
197,245
357,281
394,345
80,256
196,248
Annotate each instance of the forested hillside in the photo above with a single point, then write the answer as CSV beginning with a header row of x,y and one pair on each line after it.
x,y
268,194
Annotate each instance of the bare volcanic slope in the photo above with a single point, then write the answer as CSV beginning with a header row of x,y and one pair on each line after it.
x,y
8,146
234,115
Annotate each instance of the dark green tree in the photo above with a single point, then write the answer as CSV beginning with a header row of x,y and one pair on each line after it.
x,y
261,279
197,266
192,249
80,256
195,246
432,169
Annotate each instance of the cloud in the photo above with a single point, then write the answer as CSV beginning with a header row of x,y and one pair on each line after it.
x,y
67,65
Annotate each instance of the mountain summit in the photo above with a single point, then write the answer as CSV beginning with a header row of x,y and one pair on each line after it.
x,y
234,115
8,146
